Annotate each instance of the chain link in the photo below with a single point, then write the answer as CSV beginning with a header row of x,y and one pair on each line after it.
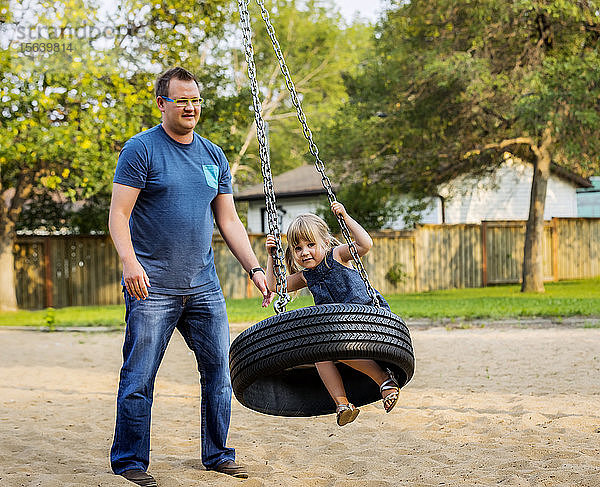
x,y
271,207
319,164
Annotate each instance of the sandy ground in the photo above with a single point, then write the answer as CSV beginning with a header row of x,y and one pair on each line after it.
x,y
500,406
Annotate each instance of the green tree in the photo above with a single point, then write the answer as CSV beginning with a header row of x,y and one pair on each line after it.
x,y
51,104
318,48
65,115
451,85
66,111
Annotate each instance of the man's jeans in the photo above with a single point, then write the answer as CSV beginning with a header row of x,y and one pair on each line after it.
x,y
202,320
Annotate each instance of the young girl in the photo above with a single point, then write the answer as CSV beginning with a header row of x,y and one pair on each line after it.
x,y
316,259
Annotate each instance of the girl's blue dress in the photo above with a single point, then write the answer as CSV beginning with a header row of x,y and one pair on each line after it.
x,y
332,282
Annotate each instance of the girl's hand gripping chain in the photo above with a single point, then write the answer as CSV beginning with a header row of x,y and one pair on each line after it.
x,y
270,244
338,209
362,239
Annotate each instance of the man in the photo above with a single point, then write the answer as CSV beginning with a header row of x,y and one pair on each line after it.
x,y
169,184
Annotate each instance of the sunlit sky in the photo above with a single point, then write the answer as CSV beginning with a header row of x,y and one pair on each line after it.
x,y
368,9
350,9
364,8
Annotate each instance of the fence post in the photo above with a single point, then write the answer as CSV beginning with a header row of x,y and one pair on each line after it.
x,y
48,281
415,260
554,234
484,276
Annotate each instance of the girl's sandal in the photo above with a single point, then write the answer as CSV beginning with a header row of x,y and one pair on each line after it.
x,y
390,384
346,413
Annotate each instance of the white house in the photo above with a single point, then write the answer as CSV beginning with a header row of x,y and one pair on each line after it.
x,y
501,196
297,191
505,195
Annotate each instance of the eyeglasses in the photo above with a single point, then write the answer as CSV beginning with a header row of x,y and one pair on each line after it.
x,y
183,102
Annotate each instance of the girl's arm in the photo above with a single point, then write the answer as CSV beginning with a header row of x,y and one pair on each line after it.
x,y
271,280
362,239
294,282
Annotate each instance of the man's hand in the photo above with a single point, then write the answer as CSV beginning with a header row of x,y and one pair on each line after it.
x,y
136,280
260,281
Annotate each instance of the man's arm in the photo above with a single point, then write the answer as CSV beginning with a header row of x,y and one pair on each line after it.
x,y
236,238
121,204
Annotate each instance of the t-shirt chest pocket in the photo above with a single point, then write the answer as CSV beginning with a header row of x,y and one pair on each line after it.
x,y
211,174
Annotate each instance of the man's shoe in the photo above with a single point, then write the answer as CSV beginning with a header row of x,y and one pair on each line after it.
x,y
140,477
229,467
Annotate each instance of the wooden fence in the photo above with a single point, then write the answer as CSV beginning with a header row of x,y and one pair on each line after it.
x,y
66,271
78,271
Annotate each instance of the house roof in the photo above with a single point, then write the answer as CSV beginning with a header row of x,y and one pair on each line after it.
x,y
595,188
301,181
305,180
575,178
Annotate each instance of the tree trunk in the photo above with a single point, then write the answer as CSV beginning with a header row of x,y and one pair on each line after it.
x,y
8,295
10,210
533,269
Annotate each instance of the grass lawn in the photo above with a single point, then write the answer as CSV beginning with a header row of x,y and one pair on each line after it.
x,y
71,316
566,298
561,299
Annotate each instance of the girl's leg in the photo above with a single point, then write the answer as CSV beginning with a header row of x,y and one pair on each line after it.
x,y
368,367
332,379
371,368
330,375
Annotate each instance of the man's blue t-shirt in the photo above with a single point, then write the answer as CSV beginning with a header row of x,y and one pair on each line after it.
x,y
172,221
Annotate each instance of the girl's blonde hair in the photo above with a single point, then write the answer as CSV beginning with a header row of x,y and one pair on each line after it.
x,y
311,228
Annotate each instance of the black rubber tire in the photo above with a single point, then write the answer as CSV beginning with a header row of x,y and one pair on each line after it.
x,y
272,362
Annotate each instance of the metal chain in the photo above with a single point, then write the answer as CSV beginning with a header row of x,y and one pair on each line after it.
x,y
271,210
320,166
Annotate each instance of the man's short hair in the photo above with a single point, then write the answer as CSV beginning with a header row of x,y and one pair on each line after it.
x,y
161,88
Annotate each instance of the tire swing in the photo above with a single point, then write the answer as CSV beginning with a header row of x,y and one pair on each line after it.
x,y
272,362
